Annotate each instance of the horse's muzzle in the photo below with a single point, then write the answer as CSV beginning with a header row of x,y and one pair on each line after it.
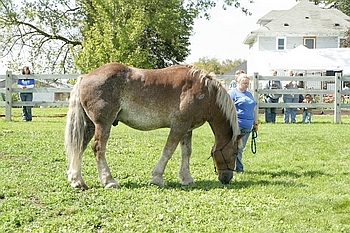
x,y
225,177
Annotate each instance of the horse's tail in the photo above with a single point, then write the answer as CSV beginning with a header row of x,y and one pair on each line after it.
x,y
75,126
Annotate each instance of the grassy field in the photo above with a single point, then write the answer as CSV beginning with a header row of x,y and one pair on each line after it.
x,y
298,181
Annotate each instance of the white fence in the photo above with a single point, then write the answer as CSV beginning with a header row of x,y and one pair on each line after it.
x,y
336,91
10,79
332,81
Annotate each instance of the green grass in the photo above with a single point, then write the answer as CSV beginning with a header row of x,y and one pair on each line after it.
x,y
298,181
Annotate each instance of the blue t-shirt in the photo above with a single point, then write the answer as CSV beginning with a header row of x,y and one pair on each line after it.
x,y
26,82
245,104
233,84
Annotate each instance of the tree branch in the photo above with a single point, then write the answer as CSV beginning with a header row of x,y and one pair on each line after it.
x,y
53,37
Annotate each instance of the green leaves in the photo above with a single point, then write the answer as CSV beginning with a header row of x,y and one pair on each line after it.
x,y
61,36
41,33
143,33
215,66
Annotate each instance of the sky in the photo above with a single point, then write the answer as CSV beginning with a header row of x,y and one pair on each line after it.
x,y
222,36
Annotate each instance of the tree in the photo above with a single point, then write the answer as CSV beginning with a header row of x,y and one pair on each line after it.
x,y
62,35
346,43
215,66
342,5
228,65
45,32
143,33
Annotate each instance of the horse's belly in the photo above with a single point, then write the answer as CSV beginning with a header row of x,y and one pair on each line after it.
x,y
143,120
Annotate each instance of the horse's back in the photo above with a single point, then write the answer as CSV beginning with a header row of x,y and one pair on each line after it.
x,y
143,99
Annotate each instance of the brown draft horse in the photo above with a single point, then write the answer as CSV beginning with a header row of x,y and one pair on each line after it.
x,y
179,97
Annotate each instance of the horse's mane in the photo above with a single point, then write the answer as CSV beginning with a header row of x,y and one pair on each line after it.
x,y
222,97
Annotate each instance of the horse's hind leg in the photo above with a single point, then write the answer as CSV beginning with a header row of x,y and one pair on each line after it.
x,y
74,171
99,147
186,150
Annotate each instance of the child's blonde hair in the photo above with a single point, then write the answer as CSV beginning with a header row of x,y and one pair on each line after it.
x,y
242,76
238,72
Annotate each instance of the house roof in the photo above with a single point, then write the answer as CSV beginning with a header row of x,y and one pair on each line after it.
x,y
270,16
304,19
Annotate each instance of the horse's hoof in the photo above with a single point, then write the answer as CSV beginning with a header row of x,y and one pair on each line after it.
x,y
113,185
79,185
157,181
187,182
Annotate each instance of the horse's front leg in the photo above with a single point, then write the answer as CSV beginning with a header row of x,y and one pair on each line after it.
x,y
99,148
186,150
168,150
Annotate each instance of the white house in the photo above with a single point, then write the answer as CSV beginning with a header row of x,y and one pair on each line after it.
x,y
284,30
305,23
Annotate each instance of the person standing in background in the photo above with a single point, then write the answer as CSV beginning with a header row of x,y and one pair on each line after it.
x,y
290,113
26,83
270,113
307,112
233,83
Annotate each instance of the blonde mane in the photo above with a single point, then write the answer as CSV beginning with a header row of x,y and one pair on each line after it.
x,y
222,98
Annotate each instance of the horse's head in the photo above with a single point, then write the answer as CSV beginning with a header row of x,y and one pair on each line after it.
x,y
225,160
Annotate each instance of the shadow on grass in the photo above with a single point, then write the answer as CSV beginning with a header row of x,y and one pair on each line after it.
x,y
208,185
240,181
213,184
234,184
286,173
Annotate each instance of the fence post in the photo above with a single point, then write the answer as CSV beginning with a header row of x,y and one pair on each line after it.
x,y
8,98
337,98
255,89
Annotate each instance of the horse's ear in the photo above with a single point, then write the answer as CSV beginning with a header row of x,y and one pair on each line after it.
x,y
240,136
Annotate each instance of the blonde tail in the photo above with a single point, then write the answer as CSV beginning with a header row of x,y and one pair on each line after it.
x,y
74,136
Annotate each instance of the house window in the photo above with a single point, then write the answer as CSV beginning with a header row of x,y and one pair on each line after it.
x,y
281,43
310,43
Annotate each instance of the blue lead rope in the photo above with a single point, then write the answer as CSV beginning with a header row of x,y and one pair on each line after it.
x,y
253,142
